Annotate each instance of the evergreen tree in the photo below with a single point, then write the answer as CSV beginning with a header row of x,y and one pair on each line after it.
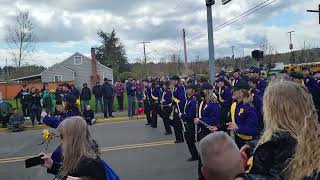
x,y
112,53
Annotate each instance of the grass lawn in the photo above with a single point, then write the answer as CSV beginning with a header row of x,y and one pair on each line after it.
x,y
14,103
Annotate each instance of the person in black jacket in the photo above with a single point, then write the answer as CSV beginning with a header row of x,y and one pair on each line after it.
x,y
35,106
22,95
74,91
59,94
107,94
80,153
97,91
289,146
85,96
88,115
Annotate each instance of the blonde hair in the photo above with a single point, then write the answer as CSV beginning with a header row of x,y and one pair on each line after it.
x,y
248,96
210,96
77,144
289,107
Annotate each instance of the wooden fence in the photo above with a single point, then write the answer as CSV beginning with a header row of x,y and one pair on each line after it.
x,y
10,90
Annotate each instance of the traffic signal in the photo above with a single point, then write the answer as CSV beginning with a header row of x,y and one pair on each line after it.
x,y
257,54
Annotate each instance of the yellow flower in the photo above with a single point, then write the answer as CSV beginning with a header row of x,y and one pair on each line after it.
x,y
45,134
78,102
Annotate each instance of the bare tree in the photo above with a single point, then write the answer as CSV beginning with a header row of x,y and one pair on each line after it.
x,y
20,37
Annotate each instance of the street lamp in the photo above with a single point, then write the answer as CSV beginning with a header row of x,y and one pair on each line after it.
x,y
212,68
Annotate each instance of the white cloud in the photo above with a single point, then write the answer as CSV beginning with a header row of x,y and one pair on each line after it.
x,y
70,24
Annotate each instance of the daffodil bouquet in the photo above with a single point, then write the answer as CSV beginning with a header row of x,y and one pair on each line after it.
x,y
47,137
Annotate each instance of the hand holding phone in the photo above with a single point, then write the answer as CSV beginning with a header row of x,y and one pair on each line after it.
x,y
35,161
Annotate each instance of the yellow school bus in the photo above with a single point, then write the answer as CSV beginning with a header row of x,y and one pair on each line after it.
x,y
314,66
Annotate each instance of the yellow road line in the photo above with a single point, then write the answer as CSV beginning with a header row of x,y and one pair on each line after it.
x,y
105,149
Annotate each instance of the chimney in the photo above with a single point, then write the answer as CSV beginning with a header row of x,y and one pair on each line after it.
x,y
94,74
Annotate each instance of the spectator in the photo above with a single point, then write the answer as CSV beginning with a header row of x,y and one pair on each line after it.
x,y
131,92
289,146
107,94
119,93
35,106
5,111
58,94
220,157
22,95
97,92
16,121
88,115
140,89
68,109
80,153
85,96
47,100
74,91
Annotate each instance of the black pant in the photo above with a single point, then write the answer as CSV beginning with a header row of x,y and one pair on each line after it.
x,y
165,115
154,116
107,107
120,102
35,113
177,126
240,142
24,108
203,133
224,118
147,111
190,139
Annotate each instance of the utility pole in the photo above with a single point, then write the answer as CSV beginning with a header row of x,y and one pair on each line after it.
x,y
212,67
232,52
291,47
185,52
145,57
316,11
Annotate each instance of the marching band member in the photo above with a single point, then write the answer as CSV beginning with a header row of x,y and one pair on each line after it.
x,y
225,99
179,100
190,113
209,114
257,96
243,115
154,103
146,100
262,83
236,76
166,109
313,87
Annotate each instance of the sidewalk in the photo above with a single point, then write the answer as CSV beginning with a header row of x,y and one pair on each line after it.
x,y
118,117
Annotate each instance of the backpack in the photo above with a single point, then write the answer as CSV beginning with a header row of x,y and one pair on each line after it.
x,y
110,174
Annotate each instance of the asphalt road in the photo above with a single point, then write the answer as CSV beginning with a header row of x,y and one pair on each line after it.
x,y
134,151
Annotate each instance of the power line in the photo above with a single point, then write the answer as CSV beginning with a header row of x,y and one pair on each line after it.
x,y
179,4
235,19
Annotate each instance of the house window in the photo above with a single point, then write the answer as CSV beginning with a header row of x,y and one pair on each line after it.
x,y
77,60
57,78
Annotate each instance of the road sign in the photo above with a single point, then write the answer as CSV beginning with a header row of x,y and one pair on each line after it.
x,y
225,1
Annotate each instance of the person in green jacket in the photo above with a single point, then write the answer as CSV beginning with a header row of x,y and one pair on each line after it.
x,y
47,99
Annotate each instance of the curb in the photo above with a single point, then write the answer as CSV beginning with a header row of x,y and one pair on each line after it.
x,y
98,121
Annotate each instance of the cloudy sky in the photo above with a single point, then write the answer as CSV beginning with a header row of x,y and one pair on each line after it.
x,y
63,27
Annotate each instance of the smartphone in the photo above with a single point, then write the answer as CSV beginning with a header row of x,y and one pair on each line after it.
x,y
35,161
